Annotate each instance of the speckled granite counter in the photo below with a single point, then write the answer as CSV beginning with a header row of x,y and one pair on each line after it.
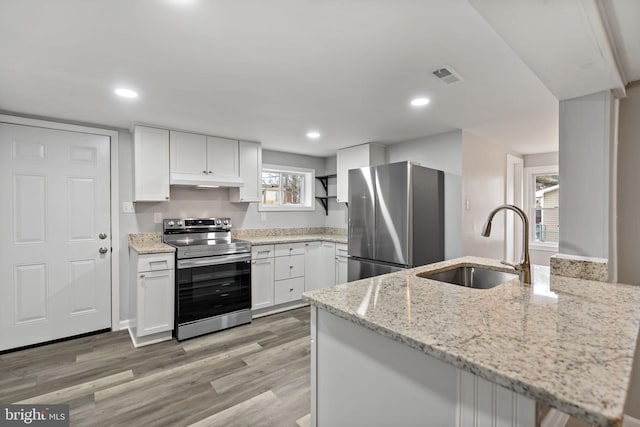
x,y
270,236
565,342
149,243
269,240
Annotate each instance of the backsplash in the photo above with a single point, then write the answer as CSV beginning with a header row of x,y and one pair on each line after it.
x,y
271,232
580,267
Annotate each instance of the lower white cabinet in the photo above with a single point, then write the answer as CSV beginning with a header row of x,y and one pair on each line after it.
x,y
320,265
288,267
262,282
341,263
152,298
288,290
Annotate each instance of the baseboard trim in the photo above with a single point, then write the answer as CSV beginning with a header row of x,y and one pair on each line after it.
x,y
124,324
629,421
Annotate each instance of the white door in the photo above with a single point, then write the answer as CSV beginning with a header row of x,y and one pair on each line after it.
x,y
54,205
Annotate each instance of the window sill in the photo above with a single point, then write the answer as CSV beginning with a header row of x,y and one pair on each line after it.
x,y
547,248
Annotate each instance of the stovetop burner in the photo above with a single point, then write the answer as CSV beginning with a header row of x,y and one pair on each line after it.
x,y
201,237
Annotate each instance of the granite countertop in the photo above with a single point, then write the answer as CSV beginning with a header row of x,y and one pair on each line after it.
x,y
149,243
269,240
565,342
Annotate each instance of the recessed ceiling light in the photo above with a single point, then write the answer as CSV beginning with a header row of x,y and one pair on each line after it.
x,y
420,102
313,135
126,93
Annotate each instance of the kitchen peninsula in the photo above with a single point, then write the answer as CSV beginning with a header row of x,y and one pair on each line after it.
x,y
403,349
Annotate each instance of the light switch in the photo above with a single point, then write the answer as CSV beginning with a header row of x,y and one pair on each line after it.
x,y
157,217
127,207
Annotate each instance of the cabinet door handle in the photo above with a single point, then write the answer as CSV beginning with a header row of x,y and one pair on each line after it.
x,y
103,250
291,266
142,276
210,171
204,171
290,289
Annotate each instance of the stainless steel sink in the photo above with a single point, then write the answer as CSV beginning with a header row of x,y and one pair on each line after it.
x,y
471,277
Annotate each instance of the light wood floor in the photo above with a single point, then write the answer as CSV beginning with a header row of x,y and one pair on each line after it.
x,y
252,375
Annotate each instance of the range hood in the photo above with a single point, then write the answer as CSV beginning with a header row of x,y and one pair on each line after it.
x,y
193,180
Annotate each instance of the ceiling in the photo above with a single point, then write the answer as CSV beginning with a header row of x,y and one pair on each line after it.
x,y
272,71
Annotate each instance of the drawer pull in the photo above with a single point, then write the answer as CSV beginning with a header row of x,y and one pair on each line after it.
x,y
263,252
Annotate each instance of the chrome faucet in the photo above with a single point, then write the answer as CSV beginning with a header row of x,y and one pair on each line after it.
x,y
525,265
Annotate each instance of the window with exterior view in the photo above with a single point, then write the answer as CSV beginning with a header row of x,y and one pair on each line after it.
x,y
545,213
281,188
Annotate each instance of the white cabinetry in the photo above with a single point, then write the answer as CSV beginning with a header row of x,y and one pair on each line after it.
x,y
289,272
250,164
355,157
188,153
421,387
222,157
196,159
150,164
341,263
153,297
262,287
320,265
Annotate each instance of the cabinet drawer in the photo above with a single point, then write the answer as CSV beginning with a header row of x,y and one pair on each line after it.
x,y
288,290
154,262
286,249
289,267
341,249
262,251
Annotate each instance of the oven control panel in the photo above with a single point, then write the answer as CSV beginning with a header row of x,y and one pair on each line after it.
x,y
211,224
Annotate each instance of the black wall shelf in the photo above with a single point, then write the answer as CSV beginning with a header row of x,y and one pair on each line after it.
x,y
324,180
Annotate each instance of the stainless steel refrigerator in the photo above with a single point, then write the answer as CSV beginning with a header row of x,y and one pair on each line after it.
x,y
396,218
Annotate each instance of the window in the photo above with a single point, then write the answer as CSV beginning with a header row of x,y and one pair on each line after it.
x,y
287,188
543,206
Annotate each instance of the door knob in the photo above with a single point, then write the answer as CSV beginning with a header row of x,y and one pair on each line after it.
x,y
103,250
102,236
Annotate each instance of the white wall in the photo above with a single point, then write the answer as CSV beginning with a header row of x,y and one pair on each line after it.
x,y
338,213
484,169
585,144
542,159
628,208
443,152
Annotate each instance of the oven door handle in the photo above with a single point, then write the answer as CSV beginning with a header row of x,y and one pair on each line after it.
x,y
217,260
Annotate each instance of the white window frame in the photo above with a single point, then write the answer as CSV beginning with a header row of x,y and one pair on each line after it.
x,y
308,193
530,194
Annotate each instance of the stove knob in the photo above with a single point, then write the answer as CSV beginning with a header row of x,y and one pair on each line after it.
x,y
179,224
218,222
226,222
170,223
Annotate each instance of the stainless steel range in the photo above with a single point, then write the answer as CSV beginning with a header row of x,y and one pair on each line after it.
x,y
213,275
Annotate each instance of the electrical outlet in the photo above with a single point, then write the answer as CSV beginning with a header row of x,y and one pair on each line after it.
x,y
157,217
263,216
467,204
127,207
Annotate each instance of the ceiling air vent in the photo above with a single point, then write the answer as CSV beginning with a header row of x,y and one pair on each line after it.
x,y
447,75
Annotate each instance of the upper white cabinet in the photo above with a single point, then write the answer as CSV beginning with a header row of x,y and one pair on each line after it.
x,y
201,160
188,153
222,157
150,164
355,157
250,163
